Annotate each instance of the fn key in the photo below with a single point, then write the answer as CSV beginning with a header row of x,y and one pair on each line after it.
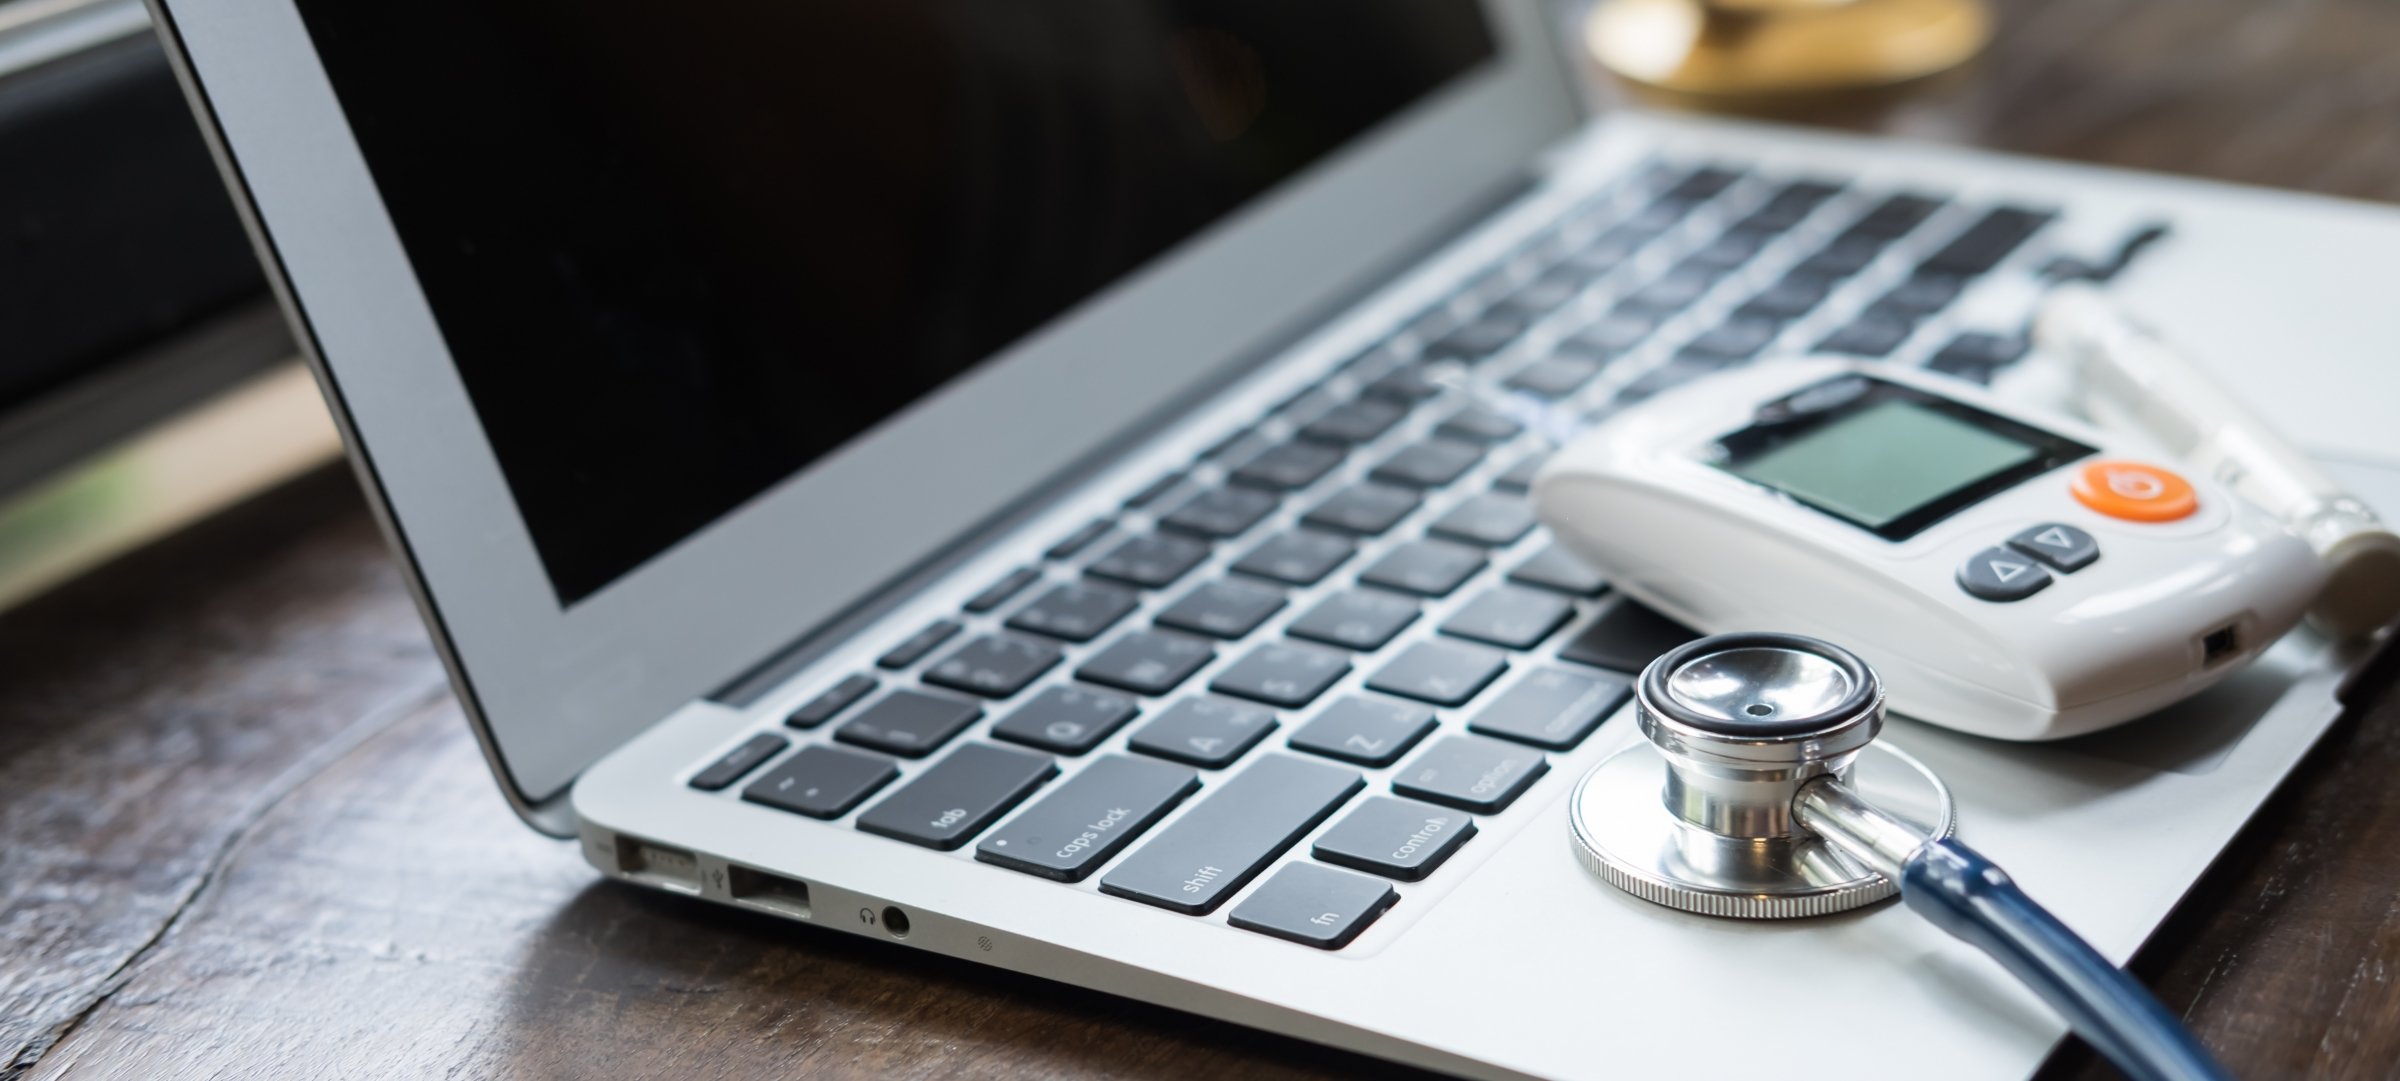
x,y
1314,906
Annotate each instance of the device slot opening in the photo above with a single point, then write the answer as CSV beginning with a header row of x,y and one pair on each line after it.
x,y
2220,645
660,865
763,890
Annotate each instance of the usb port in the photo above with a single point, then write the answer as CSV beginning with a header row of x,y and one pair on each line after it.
x,y
772,892
2220,645
657,864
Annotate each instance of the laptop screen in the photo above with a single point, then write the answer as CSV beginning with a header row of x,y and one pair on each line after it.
x,y
678,253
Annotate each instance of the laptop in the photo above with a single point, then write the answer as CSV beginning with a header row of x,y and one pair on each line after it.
x,y
1043,484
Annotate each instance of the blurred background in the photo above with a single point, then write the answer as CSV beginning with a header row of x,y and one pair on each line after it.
x,y
145,375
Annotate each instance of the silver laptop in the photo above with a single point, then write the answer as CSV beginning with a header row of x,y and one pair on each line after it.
x,y
1043,483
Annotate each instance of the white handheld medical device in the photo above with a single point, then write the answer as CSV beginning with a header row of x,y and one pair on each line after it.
x,y
2128,379
2019,576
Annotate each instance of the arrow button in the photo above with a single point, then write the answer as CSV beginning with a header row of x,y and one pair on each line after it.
x,y
2061,547
2001,575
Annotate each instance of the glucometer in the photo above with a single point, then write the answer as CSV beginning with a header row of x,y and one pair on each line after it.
x,y
2018,575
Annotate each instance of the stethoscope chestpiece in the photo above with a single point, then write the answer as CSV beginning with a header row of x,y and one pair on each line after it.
x,y
1743,722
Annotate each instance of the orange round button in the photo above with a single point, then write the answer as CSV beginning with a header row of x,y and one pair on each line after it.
x,y
2134,492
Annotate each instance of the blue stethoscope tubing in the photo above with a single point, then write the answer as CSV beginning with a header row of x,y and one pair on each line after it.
x,y
1968,896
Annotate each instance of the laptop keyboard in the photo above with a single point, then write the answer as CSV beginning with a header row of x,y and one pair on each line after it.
x,y
1345,614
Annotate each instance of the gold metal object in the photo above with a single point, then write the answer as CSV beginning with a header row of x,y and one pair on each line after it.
x,y
1746,48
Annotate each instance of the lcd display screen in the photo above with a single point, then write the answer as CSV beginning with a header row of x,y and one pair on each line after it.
x,y
1888,458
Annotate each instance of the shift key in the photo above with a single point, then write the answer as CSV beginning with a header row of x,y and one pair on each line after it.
x,y
1206,855
1094,815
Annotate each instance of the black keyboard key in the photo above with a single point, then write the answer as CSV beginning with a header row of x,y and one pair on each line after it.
x,y
1663,378
822,782
1510,617
1150,561
1922,295
1433,322
1476,340
909,723
1368,731
1282,674
1429,568
1220,513
1790,298
1068,720
1395,838
1360,421
835,699
1518,477
1978,356
1070,832
1671,293
1443,673
1491,519
1546,248
1626,638
1301,557
1147,662
1553,707
1788,207
1734,339
1225,609
1843,256
739,761
1471,773
914,648
1405,387
1210,732
1556,569
1603,254
1554,378
1541,296
998,593
1479,424
1308,405
1240,444
1374,364
994,666
1207,855
1867,336
1289,466
1076,611
1611,336
1989,240
1079,540
1153,492
1430,464
1702,185
1314,906
1728,251
1360,619
1364,509
965,792
1896,216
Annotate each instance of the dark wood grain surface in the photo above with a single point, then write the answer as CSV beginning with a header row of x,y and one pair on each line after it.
x,y
244,831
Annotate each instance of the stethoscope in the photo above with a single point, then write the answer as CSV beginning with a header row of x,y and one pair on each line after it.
x,y
1769,815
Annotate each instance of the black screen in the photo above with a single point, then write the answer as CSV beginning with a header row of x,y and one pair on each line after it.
x,y
678,251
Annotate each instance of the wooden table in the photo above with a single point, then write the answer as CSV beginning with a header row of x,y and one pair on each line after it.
x,y
243,829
